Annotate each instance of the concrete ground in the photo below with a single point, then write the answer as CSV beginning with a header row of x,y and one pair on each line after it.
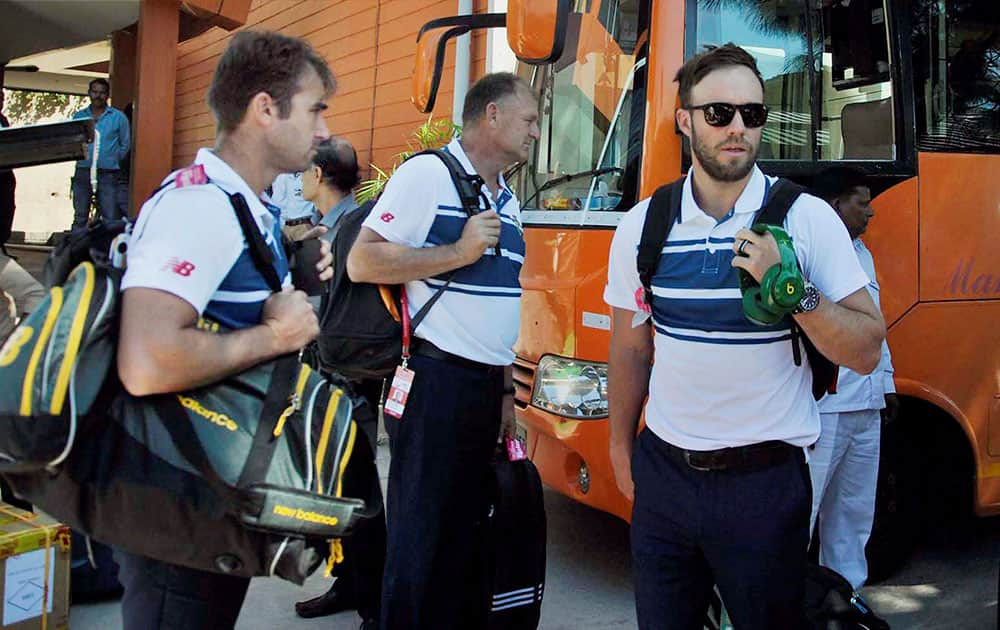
x,y
950,582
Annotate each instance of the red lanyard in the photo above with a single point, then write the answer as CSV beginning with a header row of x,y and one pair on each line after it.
x,y
405,314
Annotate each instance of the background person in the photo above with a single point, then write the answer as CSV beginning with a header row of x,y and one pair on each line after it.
x,y
113,127
844,462
7,185
328,184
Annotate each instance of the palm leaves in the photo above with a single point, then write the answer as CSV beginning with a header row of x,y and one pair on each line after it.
x,y
430,135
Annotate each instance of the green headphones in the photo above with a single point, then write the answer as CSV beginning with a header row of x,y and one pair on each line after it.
x,y
781,288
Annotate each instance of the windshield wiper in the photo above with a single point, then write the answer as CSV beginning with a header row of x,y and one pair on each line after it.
x,y
562,179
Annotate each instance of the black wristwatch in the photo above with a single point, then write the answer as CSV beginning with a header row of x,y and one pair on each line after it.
x,y
809,300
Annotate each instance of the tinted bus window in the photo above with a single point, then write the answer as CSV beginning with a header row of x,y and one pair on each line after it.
x,y
592,103
826,73
956,52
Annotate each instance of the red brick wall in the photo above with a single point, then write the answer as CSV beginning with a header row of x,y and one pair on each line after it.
x,y
369,44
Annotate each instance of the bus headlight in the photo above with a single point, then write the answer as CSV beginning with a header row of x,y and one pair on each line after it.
x,y
571,388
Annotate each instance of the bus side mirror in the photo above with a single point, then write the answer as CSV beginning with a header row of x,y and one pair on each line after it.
x,y
431,42
536,29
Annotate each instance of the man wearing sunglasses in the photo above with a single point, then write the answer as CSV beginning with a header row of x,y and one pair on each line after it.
x,y
720,487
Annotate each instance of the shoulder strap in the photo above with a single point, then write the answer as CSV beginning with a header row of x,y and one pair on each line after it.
x,y
783,194
664,208
260,253
470,191
468,185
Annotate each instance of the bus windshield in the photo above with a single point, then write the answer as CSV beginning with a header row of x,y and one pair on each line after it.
x,y
592,104
826,69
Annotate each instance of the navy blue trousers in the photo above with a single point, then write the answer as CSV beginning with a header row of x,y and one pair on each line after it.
x,y
163,596
746,531
438,497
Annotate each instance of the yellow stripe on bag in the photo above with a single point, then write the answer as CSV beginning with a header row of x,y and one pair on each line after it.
x,y
347,457
73,344
324,437
300,387
55,304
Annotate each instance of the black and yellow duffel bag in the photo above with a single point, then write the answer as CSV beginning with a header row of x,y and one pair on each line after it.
x,y
53,368
241,477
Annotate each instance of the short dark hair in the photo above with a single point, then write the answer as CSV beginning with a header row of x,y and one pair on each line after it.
x,y
836,181
99,81
490,89
262,61
338,161
701,65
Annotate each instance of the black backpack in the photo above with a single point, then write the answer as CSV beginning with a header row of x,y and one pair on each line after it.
x,y
360,331
664,209
516,535
832,604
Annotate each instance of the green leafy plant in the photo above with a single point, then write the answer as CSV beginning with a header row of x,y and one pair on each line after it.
x,y
432,134
28,108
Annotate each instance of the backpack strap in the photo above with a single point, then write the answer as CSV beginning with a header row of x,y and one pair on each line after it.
x,y
260,253
470,191
664,209
468,185
783,194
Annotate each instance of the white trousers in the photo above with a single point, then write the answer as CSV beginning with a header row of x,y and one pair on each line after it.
x,y
19,294
844,471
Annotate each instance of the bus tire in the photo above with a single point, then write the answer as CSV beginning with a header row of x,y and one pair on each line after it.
x,y
899,510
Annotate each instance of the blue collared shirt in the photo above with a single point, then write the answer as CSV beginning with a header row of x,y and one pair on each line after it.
x,y
347,204
856,392
113,128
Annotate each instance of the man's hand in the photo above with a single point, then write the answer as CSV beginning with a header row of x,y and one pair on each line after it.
x,y
326,256
621,464
508,423
759,252
291,319
481,232
891,411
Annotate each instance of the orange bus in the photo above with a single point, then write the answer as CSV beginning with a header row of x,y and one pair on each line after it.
x,y
906,90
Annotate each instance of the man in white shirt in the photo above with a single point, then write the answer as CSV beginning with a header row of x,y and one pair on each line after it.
x,y
844,462
721,488
418,234
188,257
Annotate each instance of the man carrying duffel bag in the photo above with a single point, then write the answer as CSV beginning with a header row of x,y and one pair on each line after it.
x,y
188,258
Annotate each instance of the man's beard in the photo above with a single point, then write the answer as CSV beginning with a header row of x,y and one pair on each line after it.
x,y
718,170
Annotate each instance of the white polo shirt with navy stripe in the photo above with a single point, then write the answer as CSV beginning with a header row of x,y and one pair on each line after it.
x,y
187,241
478,315
718,380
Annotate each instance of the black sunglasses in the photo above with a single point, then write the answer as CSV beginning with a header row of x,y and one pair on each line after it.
x,y
721,114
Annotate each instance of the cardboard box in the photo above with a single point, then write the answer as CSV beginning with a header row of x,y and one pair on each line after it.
x,y
34,549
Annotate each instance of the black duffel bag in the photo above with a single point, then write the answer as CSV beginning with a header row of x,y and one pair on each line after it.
x,y
242,477
516,532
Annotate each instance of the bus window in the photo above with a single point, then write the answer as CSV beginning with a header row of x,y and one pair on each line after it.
x,y
592,104
826,80
956,59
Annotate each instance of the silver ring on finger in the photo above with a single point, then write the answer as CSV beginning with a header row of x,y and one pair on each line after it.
x,y
741,250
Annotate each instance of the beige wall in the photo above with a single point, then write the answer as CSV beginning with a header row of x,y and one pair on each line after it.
x,y
370,45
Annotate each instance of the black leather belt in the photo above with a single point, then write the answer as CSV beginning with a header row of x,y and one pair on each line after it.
x,y
424,348
741,458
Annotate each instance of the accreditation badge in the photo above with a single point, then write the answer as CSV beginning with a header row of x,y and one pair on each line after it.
x,y
399,391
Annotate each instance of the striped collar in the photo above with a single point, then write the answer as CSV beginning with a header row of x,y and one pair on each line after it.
x,y
455,148
229,180
750,200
